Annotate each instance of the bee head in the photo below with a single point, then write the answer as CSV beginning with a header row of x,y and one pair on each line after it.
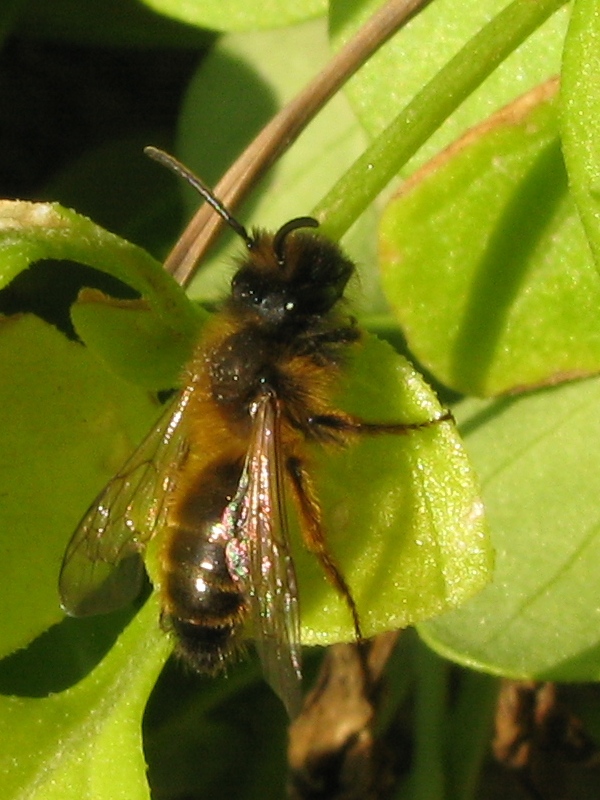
x,y
291,276
286,278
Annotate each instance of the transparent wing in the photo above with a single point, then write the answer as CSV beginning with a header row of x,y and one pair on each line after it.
x,y
102,567
262,527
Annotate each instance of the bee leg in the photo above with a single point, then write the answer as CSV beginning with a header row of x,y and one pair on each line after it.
x,y
348,424
315,342
314,535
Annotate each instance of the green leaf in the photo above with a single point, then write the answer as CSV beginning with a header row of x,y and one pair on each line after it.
x,y
86,742
402,513
413,125
581,116
68,424
128,336
239,15
414,56
485,262
538,460
35,231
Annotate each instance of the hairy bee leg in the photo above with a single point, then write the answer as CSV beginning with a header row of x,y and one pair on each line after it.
x,y
346,334
346,423
314,535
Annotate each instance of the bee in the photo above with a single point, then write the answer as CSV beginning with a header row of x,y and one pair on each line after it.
x,y
212,476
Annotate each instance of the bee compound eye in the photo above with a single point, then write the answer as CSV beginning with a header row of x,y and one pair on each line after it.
x,y
248,288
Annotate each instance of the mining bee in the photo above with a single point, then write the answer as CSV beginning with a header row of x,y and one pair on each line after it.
x,y
213,475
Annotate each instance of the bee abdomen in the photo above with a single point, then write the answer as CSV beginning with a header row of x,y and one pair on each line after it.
x,y
205,648
202,604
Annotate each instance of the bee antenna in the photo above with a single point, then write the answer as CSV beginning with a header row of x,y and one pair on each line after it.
x,y
179,169
284,232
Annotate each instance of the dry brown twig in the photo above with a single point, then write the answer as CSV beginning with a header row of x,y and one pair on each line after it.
x,y
333,752
536,734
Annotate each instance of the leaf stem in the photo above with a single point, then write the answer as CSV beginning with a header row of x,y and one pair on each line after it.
x,y
468,735
428,779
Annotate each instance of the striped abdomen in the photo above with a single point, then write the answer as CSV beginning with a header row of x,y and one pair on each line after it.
x,y
203,605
